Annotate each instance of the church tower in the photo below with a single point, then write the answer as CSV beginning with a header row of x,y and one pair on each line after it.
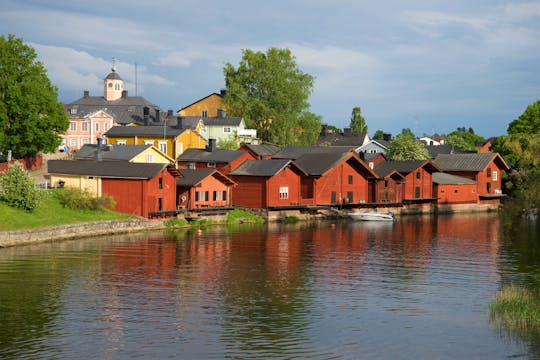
x,y
114,85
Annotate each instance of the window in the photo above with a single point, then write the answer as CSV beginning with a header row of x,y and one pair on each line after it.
x,y
455,191
494,176
418,175
191,165
160,204
85,141
149,158
417,192
226,129
211,164
371,165
283,192
120,142
350,178
105,127
204,113
73,126
218,195
73,142
488,172
224,196
148,142
179,149
385,183
196,196
84,126
206,196
117,87
97,126
162,145
350,198
488,188
73,111
160,183
214,195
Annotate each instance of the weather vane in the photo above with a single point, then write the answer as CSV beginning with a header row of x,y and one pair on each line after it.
x,y
113,65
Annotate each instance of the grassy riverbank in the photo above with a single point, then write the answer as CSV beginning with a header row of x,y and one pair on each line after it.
x,y
51,213
516,308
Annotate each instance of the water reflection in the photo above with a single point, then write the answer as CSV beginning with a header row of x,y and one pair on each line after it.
x,y
413,289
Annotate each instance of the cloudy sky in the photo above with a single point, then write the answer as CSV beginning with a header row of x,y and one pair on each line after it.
x,y
430,66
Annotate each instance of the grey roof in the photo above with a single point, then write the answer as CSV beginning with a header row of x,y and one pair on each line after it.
x,y
126,110
356,140
110,152
155,131
263,150
113,76
467,162
403,166
192,177
293,152
219,121
366,156
260,167
435,150
189,122
105,169
444,178
218,155
318,164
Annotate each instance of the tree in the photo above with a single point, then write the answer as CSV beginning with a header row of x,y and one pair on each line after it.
x,y
31,118
528,122
464,139
271,93
406,147
358,123
18,189
379,135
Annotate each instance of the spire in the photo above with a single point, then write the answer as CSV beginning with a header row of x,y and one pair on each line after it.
x,y
113,65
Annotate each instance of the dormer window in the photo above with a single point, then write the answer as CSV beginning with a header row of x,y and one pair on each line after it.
x,y
204,113
73,111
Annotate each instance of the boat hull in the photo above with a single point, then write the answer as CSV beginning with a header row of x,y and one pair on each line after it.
x,y
372,216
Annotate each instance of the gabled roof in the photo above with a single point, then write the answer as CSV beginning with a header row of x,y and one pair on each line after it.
x,y
404,167
435,150
110,152
222,121
318,164
204,98
449,179
331,139
367,156
469,162
265,168
262,150
193,177
154,131
189,122
293,152
105,169
203,155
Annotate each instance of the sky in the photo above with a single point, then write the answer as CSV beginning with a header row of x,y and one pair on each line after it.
x,y
430,66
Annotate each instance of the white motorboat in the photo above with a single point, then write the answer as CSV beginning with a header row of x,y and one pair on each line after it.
x,y
372,216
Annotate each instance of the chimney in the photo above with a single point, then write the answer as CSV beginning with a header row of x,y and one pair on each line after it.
x,y
347,131
211,147
324,129
387,137
146,116
124,94
99,155
223,92
169,113
86,93
157,116
179,122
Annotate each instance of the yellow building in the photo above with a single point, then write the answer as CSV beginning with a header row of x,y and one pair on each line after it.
x,y
209,106
170,140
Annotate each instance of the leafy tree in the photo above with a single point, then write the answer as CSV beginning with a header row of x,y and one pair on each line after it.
x,y
31,118
379,135
520,151
528,122
406,147
464,139
334,129
18,189
358,123
271,93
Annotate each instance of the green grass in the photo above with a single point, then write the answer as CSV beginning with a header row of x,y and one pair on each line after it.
x,y
238,216
50,213
516,308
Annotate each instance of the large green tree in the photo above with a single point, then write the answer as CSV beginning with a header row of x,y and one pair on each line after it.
x,y
31,118
464,139
358,123
271,93
528,122
405,146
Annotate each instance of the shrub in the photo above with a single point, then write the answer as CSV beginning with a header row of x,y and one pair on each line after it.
x,y
238,216
83,199
18,189
175,222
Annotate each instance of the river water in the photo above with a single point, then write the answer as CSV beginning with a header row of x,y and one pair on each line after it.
x,y
415,289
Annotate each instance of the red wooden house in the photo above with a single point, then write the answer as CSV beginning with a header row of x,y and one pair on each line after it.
x,y
389,188
334,178
267,183
453,189
203,188
485,168
221,160
137,188
418,186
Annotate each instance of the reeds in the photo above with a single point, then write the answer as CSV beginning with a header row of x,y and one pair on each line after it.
x,y
516,308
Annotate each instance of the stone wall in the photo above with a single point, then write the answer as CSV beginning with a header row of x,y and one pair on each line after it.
x,y
73,231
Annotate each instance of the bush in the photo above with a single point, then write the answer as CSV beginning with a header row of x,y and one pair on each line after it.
x,y
175,222
238,216
18,189
82,199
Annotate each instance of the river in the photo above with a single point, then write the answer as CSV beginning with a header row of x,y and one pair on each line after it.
x,y
415,289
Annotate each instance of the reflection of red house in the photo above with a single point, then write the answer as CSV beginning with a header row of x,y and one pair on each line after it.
x,y
267,183
418,177
203,188
334,178
486,169
452,189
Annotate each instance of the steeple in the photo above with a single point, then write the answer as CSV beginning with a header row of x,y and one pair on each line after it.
x,y
113,84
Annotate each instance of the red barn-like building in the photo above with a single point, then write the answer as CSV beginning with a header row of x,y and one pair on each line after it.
x,y
203,188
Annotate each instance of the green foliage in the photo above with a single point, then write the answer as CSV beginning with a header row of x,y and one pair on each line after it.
x,y
406,147
379,135
519,150
291,219
358,123
231,143
238,216
175,223
464,139
528,122
271,93
18,189
334,129
524,189
82,199
516,308
31,118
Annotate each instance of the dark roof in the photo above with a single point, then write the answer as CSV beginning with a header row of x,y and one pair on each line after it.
x,y
332,139
444,178
218,155
367,156
263,150
188,122
110,152
403,166
468,162
293,152
260,167
207,96
113,76
218,121
156,131
193,177
105,169
435,150
318,164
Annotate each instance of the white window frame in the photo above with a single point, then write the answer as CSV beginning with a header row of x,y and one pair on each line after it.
x,y
149,142
84,126
105,127
162,146
149,158
73,111
227,130
121,142
73,126
494,175
85,141
97,126
191,165
211,164
283,192
73,142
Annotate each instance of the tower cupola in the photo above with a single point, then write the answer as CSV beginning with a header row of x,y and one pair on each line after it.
x,y
113,85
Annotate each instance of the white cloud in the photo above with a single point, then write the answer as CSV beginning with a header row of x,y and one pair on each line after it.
x,y
523,10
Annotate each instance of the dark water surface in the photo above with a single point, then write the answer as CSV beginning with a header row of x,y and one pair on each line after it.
x,y
417,289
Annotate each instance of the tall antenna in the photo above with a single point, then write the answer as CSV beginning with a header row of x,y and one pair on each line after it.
x,y
136,79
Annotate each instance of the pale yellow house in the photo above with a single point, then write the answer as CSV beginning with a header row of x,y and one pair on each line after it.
x,y
209,106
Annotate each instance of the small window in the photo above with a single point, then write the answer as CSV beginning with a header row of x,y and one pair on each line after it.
x,y
73,142
196,196
84,126
224,195
488,172
85,141
227,130
149,158
73,126
191,165
206,196
283,192
350,178
442,191
215,195
494,176
162,145
371,165
160,183
488,188
120,142
455,191
97,126
385,183
204,113
105,126
148,142
418,174
73,111
211,164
